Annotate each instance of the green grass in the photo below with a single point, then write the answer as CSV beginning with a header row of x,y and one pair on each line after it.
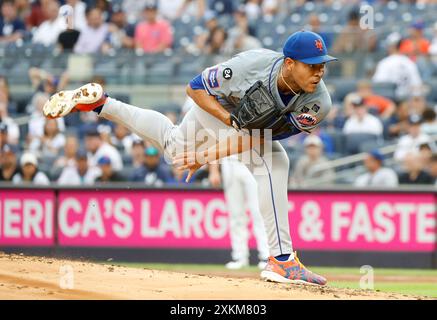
x,y
422,288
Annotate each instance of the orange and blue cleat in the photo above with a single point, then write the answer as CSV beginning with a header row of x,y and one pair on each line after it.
x,y
290,272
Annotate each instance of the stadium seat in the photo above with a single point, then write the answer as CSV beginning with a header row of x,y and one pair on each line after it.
x,y
355,142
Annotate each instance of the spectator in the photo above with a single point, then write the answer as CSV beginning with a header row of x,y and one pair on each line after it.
x,y
398,124
429,124
3,134
398,69
383,107
211,23
71,148
153,35
10,131
122,139
11,27
98,149
426,152
29,172
133,9
6,103
215,44
43,81
93,35
78,172
410,142
353,38
67,39
107,173
377,175
137,153
121,33
413,170
241,36
361,121
433,169
36,16
315,25
8,163
79,14
50,143
174,9
10,127
48,32
313,164
153,172
416,45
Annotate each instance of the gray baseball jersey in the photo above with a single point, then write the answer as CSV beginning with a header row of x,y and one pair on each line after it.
x,y
230,80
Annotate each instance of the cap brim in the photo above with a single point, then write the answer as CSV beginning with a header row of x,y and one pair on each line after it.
x,y
319,59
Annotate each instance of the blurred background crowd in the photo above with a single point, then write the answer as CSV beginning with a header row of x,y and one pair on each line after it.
x,y
381,131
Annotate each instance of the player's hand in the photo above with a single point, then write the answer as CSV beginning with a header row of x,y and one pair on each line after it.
x,y
187,161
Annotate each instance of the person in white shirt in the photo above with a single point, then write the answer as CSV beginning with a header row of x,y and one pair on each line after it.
x,y
48,32
411,141
97,149
398,69
78,173
93,36
78,9
174,9
361,121
50,143
29,171
376,176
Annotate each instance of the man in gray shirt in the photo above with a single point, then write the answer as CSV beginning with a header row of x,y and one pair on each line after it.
x,y
376,175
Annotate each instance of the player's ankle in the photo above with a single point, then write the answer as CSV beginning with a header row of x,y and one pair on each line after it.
x,y
99,108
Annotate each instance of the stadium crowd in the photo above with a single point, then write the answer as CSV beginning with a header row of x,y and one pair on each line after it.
x,y
84,149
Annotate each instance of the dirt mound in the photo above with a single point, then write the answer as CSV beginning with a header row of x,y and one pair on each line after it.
x,y
23,277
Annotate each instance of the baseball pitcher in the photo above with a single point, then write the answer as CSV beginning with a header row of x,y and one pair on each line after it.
x,y
281,94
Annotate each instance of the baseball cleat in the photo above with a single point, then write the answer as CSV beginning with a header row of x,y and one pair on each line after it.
x,y
290,272
85,98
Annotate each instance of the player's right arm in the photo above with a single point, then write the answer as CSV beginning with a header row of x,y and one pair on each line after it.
x,y
233,144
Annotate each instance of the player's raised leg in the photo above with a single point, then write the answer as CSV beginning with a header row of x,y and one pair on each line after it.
x,y
148,124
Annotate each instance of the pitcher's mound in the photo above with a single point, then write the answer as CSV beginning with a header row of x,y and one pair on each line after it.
x,y
23,277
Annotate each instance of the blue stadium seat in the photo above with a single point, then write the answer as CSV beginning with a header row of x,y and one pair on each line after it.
x,y
355,142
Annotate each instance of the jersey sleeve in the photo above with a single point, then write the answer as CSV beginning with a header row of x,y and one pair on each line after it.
x,y
226,79
312,110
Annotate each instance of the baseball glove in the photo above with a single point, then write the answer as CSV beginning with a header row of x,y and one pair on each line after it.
x,y
257,109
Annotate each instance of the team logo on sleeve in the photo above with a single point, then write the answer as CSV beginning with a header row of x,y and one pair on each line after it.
x,y
212,78
305,119
227,73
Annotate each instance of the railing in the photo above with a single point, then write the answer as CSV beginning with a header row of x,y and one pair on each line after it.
x,y
350,161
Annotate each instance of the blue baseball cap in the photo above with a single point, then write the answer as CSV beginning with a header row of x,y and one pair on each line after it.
x,y
376,154
307,47
104,160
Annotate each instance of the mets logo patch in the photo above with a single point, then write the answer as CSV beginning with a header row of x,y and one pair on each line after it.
x,y
319,44
305,119
212,78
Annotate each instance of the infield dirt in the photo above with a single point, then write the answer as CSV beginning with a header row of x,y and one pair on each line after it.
x,y
24,277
